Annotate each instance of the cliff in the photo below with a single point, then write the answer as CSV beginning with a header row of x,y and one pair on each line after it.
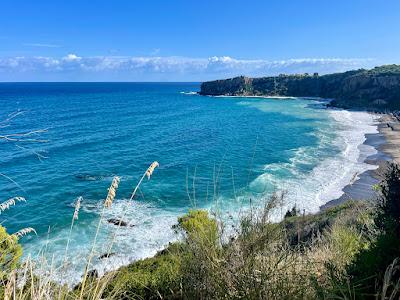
x,y
378,88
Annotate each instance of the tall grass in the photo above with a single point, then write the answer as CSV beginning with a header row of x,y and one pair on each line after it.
x,y
301,257
10,202
33,279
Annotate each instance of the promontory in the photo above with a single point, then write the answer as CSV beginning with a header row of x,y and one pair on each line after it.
x,y
375,89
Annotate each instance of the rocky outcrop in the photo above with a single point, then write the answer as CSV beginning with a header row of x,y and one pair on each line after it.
x,y
378,88
233,86
119,222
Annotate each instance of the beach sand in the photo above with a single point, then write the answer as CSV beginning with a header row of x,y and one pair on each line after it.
x,y
387,143
390,127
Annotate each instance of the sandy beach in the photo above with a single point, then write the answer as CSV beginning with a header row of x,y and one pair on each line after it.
x,y
390,127
387,143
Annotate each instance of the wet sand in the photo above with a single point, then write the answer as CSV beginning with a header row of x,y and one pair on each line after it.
x,y
390,127
387,143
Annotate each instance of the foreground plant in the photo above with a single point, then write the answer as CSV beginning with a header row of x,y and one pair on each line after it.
x,y
107,203
302,257
147,173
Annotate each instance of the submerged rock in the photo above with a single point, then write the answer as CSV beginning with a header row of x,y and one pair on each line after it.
x,y
117,222
106,255
88,177
93,274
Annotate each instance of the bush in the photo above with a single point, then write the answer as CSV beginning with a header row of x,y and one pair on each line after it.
x,y
199,226
258,263
149,278
10,252
370,266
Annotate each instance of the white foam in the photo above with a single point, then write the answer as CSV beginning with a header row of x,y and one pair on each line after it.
x,y
328,178
150,232
189,93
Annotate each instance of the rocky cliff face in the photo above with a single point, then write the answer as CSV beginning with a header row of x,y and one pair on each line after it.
x,y
233,86
378,88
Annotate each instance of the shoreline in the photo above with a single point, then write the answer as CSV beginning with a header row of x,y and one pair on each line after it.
x,y
253,96
357,190
386,142
261,97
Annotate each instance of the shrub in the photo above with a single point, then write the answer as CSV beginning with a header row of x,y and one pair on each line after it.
x,y
10,252
258,263
369,268
149,278
199,226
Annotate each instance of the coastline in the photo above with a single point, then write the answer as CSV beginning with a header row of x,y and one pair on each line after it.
x,y
360,189
389,127
383,141
386,142
254,96
262,97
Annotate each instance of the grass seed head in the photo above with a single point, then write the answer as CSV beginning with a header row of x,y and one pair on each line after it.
x,y
112,191
10,202
23,232
77,207
151,169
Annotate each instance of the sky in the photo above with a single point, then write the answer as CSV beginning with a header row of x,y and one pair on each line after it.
x,y
185,40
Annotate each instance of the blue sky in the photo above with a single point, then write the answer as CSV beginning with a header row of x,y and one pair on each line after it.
x,y
52,40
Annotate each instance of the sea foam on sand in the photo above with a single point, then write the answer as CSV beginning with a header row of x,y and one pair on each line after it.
x,y
327,180
308,191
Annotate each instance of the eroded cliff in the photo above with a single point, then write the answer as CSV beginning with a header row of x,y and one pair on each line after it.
x,y
378,88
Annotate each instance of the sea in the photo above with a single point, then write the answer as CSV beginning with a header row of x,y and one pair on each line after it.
x,y
221,154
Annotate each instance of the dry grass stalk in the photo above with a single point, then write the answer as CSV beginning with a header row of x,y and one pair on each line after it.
x,y
9,289
107,203
77,207
74,218
150,170
23,232
10,202
112,191
148,173
391,284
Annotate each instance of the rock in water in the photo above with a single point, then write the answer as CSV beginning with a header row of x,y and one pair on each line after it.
x,y
106,255
117,222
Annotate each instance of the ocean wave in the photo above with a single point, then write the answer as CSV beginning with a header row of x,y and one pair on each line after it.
x,y
310,190
312,175
150,230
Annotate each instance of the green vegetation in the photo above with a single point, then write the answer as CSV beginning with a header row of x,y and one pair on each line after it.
x,y
162,275
370,266
10,252
149,278
375,89
349,251
344,252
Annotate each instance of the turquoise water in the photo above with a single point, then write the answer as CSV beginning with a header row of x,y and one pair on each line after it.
x,y
229,149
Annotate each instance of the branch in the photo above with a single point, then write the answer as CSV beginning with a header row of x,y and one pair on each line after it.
x,y
39,156
22,137
9,118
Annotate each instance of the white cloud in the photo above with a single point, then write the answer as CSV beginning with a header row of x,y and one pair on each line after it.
x,y
41,45
71,57
125,68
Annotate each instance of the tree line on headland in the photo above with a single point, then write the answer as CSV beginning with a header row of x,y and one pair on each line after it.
x,y
375,89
